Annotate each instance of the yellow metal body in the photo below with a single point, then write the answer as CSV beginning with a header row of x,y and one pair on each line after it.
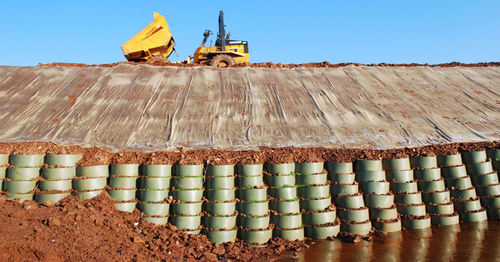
x,y
204,54
154,40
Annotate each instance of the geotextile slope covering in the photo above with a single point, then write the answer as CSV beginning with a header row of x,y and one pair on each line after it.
x,y
156,108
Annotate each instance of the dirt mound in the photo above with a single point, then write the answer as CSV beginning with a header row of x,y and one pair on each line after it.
x,y
76,230
325,64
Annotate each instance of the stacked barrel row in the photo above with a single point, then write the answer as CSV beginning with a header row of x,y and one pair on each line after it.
x,y
220,215
373,182
412,203
408,198
437,197
152,193
123,186
351,210
494,156
58,176
253,207
4,163
90,181
492,203
462,193
318,212
485,180
284,203
295,200
187,194
22,176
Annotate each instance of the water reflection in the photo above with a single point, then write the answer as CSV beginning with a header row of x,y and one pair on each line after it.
x,y
471,244
323,251
388,248
415,244
464,242
445,245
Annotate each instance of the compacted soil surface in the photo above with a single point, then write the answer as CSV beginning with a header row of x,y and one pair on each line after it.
x,y
93,230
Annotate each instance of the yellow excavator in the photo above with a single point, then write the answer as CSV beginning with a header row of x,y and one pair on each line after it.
x,y
155,40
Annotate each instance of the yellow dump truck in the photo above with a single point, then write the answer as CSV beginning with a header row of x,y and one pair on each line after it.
x,y
156,40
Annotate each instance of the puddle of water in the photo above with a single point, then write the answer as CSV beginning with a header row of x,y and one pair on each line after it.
x,y
464,242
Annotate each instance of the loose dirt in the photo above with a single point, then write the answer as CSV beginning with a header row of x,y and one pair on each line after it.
x,y
96,156
325,64
76,230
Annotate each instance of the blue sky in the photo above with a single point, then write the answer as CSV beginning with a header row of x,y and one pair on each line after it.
x,y
278,31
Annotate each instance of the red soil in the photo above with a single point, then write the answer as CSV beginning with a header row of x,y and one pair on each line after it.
x,y
96,156
325,64
76,230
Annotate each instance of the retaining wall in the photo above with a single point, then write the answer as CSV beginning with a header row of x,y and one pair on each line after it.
x,y
289,200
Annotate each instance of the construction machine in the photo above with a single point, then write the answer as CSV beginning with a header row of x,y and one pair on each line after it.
x,y
155,40
226,52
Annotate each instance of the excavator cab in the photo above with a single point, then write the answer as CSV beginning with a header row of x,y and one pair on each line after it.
x,y
226,52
